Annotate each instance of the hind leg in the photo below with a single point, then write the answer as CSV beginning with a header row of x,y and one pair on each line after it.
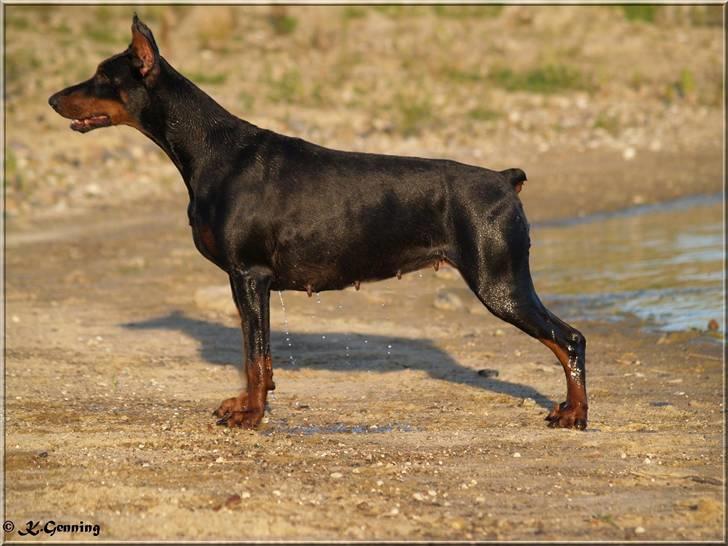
x,y
518,304
495,267
569,346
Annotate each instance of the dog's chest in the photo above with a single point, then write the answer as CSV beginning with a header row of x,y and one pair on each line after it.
x,y
204,235
205,241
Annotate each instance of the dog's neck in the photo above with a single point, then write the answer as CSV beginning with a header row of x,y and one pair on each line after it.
x,y
188,124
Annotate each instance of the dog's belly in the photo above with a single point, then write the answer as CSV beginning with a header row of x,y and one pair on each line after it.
x,y
317,275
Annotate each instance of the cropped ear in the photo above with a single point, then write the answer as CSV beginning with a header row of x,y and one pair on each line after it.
x,y
144,49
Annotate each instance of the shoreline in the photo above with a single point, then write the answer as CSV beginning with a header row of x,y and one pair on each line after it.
x,y
672,203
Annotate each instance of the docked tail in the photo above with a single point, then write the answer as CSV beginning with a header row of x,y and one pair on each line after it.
x,y
516,177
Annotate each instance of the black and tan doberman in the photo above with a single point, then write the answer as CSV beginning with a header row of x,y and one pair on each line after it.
x,y
280,213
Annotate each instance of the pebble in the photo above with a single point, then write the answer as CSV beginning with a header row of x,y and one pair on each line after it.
x,y
488,372
336,475
516,455
92,190
629,153
639,530
528,403
232,500
418,496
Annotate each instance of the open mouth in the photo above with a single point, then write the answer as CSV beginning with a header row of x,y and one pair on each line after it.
x,y
88,124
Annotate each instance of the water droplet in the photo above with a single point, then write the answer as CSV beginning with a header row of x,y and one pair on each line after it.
x,y
285,326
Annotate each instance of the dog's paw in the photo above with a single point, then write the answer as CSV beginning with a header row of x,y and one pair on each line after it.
x,y
565,415
248,419
237,403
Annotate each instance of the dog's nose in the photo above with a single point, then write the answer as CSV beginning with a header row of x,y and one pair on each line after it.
x,y
53,101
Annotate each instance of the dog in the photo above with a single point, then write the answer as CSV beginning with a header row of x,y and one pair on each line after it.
x,y
279,213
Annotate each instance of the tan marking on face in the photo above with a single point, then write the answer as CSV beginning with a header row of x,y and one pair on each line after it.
x,y
80,106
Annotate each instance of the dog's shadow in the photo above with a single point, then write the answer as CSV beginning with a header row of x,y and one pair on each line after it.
x,y
338,351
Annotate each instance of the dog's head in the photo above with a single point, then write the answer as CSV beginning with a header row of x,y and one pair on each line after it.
x,y
119,90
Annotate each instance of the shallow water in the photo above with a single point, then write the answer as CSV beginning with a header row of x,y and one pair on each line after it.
x,y
662,263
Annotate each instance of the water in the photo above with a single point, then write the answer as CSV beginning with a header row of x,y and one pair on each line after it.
x,y
662,263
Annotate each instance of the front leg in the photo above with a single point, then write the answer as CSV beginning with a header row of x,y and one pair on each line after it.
x,y
251,291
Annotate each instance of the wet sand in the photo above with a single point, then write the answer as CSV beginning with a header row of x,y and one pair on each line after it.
x,y
121,340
